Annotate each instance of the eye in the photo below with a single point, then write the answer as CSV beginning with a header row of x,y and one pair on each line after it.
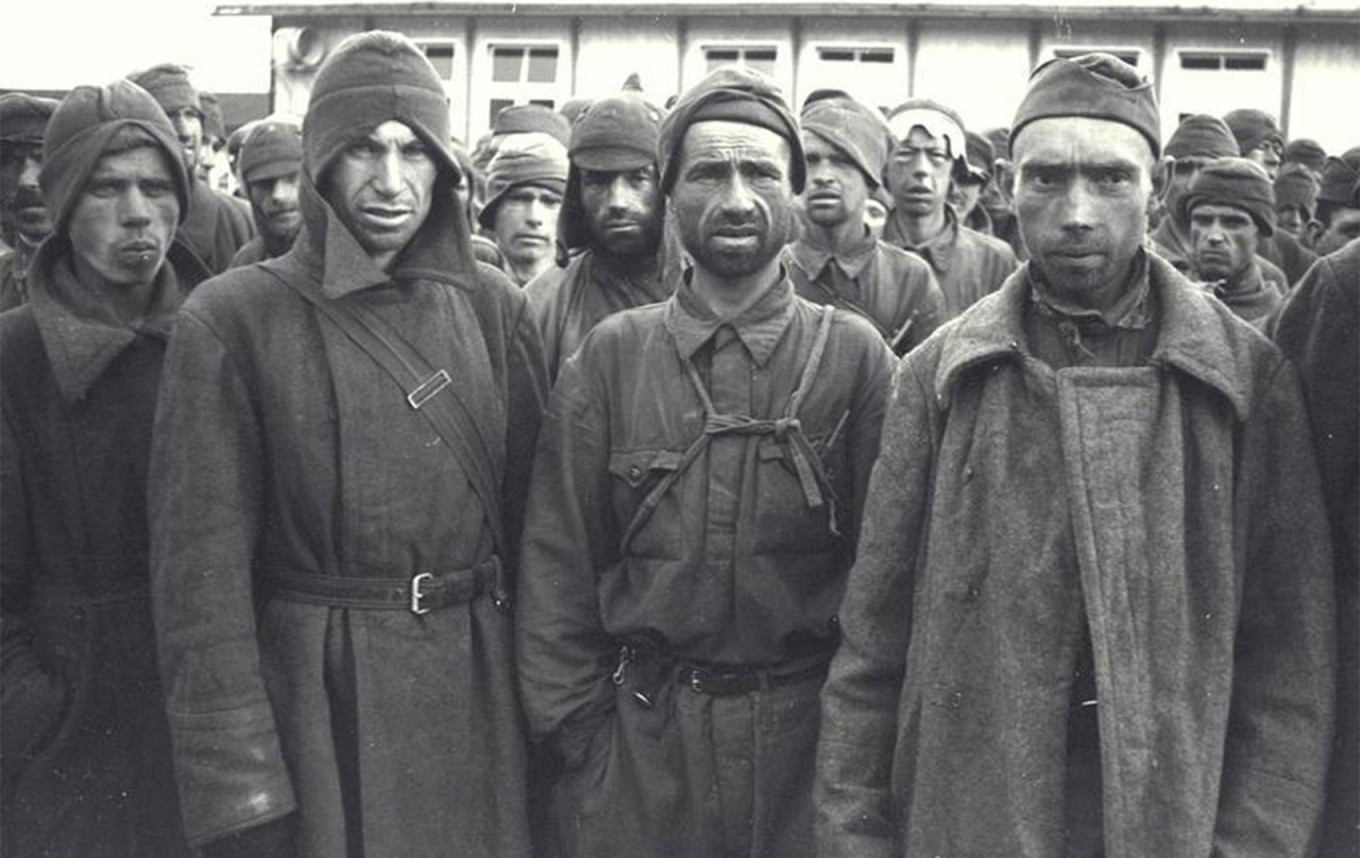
x,y
103,188
1114,177
415,150
364,149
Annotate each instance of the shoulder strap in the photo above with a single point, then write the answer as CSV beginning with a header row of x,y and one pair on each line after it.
x,y
411,371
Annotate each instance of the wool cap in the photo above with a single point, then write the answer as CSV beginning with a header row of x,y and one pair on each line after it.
x,y
616,133
1305,151
532,158
81,128
1202,136
214,128
273,148
23,117
1000,138
1097,86
528,118
1234,182
1295,186
572,109
1251,128
371,78
731,94
981,157
856,130
1341,179
169,85
939,121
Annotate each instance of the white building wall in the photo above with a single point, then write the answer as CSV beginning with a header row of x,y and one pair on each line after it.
x,y
613,48
979,68
875,84
1326,87
738,32
1185,91
1088,35
510,30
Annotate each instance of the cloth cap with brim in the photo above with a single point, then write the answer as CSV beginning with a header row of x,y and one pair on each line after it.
x,y
1252,128
1094,86
523,159
532,118
23,117
856,130
937,120
169,84
1234,182
616,133
1341,179
81,129
271,149
1305,151
371,78
1202,136
1295,186
730,94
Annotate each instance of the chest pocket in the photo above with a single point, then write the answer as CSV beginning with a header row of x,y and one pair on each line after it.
x,y
785,519
636,476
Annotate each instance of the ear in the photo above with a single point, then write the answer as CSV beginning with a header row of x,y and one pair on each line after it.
x,y
1313,232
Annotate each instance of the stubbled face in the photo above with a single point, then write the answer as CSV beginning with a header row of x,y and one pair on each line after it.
x,y
275,201
381,186
623,209
1224,238
1182,173
918,173
733,200
1291,219
188,124
1082,197
1268,156
1343,229
21,203
526,223
125,219
875,217
836,190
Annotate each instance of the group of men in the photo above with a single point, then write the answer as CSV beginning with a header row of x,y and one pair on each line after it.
x,y
677,513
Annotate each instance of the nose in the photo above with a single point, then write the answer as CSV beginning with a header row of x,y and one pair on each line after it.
x,y
621,195
136,209
1079,207
28,176
285,190
736,197
387,173
1215,235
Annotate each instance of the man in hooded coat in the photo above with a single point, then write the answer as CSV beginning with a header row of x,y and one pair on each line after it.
x,y
339,467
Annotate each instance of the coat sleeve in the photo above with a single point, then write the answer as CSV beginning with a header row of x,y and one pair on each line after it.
x,y
1280,717
853,796
865,437
563,653
526,396
207,472
32,699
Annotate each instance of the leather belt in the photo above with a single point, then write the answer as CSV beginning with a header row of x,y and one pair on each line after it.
x,y
421,593
703,680
644,671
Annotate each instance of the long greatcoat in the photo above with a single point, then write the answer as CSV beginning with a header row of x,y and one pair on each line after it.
x,y
281,445
83,740
1175,507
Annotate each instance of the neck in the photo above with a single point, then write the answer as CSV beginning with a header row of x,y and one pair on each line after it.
x,y
130,301
728,297
1101,298
527,269
920,228
838,236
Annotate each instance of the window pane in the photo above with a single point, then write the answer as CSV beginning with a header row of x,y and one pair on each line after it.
x,y
1201,61
719,57
441,57
761,60
1249,62
876,55
544,102
542,65
836,55
505,64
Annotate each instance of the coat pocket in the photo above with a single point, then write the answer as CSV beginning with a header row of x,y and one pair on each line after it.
x,y
646,510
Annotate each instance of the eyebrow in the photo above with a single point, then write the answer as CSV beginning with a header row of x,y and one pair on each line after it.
x,y
1068,164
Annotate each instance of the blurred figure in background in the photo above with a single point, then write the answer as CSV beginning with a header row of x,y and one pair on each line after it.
x,y
24,222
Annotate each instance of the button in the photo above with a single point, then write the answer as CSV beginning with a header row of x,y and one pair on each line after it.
x,y
974,591
634,472
956,700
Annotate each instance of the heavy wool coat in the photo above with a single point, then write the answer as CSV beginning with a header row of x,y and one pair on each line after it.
x,y
83,741
1175,507
280,445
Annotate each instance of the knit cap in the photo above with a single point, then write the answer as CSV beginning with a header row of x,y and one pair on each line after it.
x,y
169,85
1234,182
857,131
1305,151
1202,136
731,94
1000,138
371,78
531,118
1251,128
273,148
23,117
81,128
532,158
1341,179
1097,86
1295,186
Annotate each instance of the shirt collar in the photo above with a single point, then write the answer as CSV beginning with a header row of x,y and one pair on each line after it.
x,y
1129,312
938,250
813,256
760,326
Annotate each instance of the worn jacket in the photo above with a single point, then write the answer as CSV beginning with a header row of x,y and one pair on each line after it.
x,y
84,750
1247,295
216,227
283,448
1288,254
967,264
891,288
1173,508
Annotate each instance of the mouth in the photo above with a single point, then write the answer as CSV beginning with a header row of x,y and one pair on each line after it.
x,y
622,227
530,238
139,251
284,216
1080,257
390,217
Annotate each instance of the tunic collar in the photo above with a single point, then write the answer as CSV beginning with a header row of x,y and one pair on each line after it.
x,y
760,327
813,256
937,250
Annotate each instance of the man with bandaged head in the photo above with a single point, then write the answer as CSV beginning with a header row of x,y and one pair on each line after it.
x,y
339,468
836,260
611,253
23,214
1092,611
85,765
694,507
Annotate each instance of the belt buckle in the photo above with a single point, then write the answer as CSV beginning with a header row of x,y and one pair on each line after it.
x,y
696,681
417,581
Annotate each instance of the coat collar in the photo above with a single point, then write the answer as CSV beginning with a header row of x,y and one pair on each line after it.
x,y
692,322
1195,338
80,331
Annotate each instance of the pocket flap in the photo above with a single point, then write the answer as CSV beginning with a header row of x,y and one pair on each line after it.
x,y
634,466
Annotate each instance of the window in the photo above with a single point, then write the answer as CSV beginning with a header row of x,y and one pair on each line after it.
x,y
875,74
1223,61
856,55
440,55
1128,55
760,58
524,73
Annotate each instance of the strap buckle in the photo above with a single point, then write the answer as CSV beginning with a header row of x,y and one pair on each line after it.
x,y
418,581
426,390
